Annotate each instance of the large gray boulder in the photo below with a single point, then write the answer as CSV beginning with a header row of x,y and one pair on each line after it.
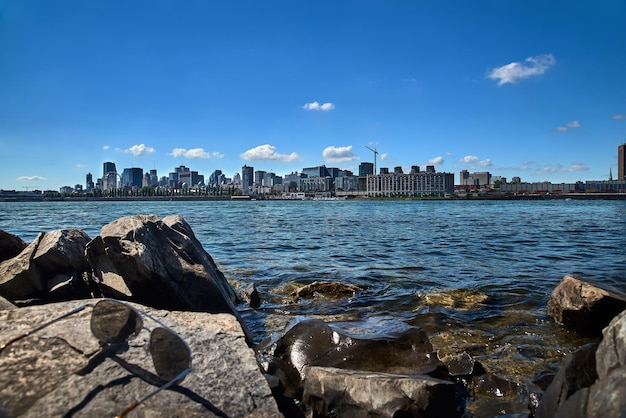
x,y
10,245
62,370
158,263
584,306
52,267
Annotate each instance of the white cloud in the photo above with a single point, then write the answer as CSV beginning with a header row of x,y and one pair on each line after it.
x,y
106,147
192,154
567,127
384,156
31,178
139,150
485,163
436,161
317,106
619,116
339,154
267,152
511,73
468,159
217,154
81,165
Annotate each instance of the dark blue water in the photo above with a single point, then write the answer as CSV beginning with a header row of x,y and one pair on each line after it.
x,y
476,275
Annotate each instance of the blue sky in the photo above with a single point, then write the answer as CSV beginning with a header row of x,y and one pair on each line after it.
x,y
528,88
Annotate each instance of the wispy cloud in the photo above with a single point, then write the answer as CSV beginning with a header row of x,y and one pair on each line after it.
x,y
317,106
436,161
619,116
558,168
31,178
572,125
485,163
511,73
192,154
384,156
105,147
267,153
339,154
79,165
139,150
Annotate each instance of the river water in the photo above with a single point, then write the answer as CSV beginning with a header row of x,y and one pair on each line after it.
x,y
476,275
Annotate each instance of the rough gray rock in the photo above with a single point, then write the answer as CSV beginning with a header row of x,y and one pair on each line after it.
x,y
54,260
349,393
10,245
578,371
604,397
158,263
584,306
38,373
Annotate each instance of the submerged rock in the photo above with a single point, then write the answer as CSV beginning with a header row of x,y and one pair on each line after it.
x,y
331,290
584,306
63,371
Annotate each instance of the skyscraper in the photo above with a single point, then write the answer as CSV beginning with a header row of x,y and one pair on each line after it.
x,y
109,176
247,177
621,162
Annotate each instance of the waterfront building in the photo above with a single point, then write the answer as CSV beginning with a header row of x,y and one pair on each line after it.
x,y
132,178
366,169
247,178
590,186
621,162
316,184
384,170
398,170
109,176
214,178
415,169
429,183
476,179
89,185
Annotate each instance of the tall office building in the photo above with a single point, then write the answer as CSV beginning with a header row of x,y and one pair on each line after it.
x,y
247,177
366,169
109,176
89,185
621,162
132,177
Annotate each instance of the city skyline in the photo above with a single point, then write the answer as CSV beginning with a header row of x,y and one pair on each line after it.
x,y
515,88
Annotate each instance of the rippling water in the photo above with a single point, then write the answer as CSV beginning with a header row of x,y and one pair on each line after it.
x,y
477,275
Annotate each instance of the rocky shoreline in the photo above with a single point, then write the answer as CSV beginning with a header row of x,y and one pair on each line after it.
x,y
312,368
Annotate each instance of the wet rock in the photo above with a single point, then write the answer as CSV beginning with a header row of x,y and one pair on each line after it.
x,y
312,342
10,245
39,375
332,290
584,306
577,371
158,263
495,396
464,366
337,392
250,295
52,257
606,396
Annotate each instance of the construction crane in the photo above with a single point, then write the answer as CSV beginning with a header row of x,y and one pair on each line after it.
x,y
375,154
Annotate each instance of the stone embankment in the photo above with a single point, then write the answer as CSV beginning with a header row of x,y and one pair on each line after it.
x,y
311,369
